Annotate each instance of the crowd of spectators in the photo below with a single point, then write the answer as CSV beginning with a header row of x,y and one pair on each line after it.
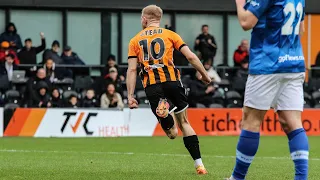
x,y
57,86
46,87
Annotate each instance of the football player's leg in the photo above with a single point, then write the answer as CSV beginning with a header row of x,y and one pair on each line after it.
x,y
177,95
290,106
161,109
191,141
259,95
248,141
165,115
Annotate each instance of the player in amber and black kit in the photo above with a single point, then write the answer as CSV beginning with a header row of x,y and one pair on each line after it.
x,y
152,49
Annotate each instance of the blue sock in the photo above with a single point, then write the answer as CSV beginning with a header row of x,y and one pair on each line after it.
x,y
299,150
246,150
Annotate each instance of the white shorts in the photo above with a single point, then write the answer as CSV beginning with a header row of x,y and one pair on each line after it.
x,y
278,91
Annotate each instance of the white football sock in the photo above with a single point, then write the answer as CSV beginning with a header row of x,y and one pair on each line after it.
x,y
198,162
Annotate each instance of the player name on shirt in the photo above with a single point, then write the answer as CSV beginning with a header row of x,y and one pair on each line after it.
x,y
151,32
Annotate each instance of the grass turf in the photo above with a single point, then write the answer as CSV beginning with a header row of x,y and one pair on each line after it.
x,y
142,158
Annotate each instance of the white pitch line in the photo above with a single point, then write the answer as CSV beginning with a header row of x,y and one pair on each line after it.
x,y
132,153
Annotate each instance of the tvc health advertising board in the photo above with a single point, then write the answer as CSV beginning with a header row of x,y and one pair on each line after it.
x,y
138,122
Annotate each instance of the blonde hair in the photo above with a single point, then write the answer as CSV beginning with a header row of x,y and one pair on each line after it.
x,y
152,12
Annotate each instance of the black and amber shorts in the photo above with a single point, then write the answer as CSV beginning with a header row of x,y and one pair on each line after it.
x,y
173,91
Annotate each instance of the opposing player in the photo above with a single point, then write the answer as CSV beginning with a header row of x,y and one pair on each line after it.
x,y
152,49
277,73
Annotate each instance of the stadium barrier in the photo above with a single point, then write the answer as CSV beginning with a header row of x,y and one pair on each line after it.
x,y
139,122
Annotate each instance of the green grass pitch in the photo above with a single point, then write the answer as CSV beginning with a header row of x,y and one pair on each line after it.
x,y
142,159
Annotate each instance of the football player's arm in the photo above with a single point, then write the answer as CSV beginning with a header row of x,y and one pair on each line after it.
x,y
302,28
131,76
132,70
194,61
248,17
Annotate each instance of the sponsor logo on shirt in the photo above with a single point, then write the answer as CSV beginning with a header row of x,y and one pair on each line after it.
x,y
287,57
253,3
154,66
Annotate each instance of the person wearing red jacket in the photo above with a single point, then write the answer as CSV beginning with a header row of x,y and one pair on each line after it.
x,y
241,54
4,51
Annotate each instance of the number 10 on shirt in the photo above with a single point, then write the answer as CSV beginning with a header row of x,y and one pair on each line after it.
x,y
156,54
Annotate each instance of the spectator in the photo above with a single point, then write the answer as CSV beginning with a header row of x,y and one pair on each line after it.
x,y
11,36
113,78
4,51
244,69
241,54
53,53
8,67
111,62
56,99
90,101
111,99
28,54
211,72
55,73
70,57
201,93
206,44
41,98
33,83
73,102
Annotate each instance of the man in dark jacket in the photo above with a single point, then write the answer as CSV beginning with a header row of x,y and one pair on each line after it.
x,y
28,54
241,54
70,57
201,93
7,68
206,44
52,53
32,85
11,36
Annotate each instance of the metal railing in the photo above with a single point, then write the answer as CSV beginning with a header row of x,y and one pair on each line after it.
x,y
223,69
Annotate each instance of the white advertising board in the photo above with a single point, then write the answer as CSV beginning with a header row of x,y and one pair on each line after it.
x,y
96,123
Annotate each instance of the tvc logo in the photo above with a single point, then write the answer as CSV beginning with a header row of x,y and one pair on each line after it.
x,y
79,120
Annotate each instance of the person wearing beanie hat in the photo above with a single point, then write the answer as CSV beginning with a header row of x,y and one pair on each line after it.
x,y
4,51
53,53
